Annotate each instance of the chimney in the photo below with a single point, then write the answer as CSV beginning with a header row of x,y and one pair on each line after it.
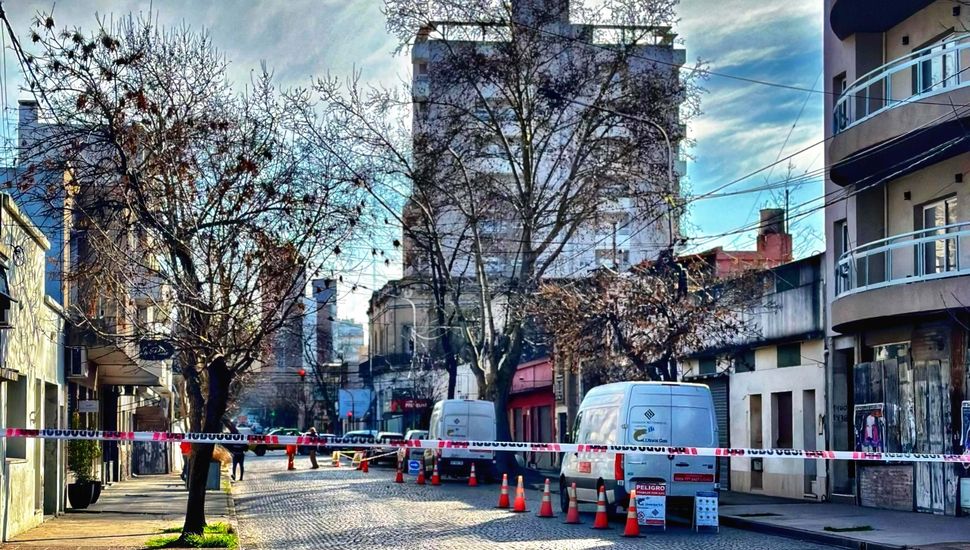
x,y
774,243
27,112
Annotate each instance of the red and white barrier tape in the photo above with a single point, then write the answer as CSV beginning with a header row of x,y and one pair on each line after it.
x,y
514,446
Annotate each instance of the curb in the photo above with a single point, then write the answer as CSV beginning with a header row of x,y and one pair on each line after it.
x,y
803,534
231,508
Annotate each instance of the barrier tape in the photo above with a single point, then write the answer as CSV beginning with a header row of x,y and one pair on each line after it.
x,y
513,446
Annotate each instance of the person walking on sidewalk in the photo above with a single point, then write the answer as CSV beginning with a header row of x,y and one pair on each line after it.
x,y
312,432
238,451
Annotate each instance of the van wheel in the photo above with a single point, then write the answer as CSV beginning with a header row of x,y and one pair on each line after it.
x,y
259,450
563,495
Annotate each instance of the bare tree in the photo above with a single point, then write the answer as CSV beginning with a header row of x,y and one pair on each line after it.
x,y
201,201
528,135
638,324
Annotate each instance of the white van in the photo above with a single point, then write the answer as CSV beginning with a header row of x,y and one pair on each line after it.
x,y
642,413
462,420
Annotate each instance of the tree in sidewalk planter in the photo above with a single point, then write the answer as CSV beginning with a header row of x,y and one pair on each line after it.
x,y
635,325
194,212
81,457
505,179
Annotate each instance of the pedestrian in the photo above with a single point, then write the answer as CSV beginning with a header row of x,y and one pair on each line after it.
x,y
312,432
186,448
238,451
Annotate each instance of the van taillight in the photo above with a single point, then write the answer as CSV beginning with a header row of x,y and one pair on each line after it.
x,y
618,466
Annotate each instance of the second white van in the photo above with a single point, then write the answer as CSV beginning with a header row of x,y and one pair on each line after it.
x,y
462,420
641,413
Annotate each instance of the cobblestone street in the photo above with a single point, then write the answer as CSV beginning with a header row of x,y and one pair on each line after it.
x,y
346,509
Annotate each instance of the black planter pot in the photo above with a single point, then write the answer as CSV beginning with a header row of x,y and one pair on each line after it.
x,y
95,491
80,494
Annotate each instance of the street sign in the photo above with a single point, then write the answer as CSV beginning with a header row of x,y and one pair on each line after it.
x,y
414,466
652,505
155,350
705,511
87,406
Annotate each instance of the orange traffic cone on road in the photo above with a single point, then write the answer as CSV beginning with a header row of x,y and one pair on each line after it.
x,y
420,480
572,513
335,459
290,453
356,461
472,479
601,521
400,474
364,468
435,478
632,525
545,509
519,505
503,496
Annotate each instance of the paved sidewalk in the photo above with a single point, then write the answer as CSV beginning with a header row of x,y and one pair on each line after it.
x,y
884,529
126,515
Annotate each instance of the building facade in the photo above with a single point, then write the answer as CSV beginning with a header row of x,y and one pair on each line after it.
x,y
532,406
897,226
32,378
769,385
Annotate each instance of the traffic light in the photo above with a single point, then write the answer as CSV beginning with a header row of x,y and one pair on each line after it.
x,y
302,374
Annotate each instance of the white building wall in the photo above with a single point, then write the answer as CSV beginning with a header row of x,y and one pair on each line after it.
x,y
781,477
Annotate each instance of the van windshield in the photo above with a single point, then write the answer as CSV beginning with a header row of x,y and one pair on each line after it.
x,y
692,427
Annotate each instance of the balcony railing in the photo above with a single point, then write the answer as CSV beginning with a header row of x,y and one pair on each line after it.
x,y
923,255
925,72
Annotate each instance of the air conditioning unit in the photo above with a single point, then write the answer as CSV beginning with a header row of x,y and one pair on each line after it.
x,y
76,362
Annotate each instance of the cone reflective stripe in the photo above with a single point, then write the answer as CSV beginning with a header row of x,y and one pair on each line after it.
x,y
572,514
545,509
472,479
435,478
632,526
601,521
519,505
503,496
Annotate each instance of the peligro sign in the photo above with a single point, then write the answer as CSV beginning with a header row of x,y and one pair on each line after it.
x,y
521,446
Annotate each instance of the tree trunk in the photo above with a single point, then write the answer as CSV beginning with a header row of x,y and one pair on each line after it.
x,y
215,408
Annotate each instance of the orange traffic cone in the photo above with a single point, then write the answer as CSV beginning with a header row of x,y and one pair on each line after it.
x,y
519,504
601,521
632,525
503,496
400,474
364,468
545,509
290,451
472,480
572,514
435,478
420,480
335,459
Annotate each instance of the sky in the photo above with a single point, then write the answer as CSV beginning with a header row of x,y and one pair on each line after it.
x,y
744,126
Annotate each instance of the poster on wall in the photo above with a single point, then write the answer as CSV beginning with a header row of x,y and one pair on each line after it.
x,y
870,428
965,427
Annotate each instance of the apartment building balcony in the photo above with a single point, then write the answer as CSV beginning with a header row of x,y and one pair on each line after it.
x,y
851,16
915,273
112,347
904,115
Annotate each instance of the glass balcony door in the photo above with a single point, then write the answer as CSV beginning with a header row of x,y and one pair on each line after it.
x,y
939,70
939,253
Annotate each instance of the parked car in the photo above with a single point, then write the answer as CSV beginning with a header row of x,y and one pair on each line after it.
x,y
408,454
462,420
261,448
642,413
385,437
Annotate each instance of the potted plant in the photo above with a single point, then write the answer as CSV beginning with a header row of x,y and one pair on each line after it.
x,y
81,454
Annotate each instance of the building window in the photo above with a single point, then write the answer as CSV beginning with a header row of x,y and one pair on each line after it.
x,y
17,416
744,361
939,255
890,351
789,355
707,365
841,118
786,278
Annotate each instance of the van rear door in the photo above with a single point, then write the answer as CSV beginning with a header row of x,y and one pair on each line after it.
x,y
648,423
693,426
468,421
